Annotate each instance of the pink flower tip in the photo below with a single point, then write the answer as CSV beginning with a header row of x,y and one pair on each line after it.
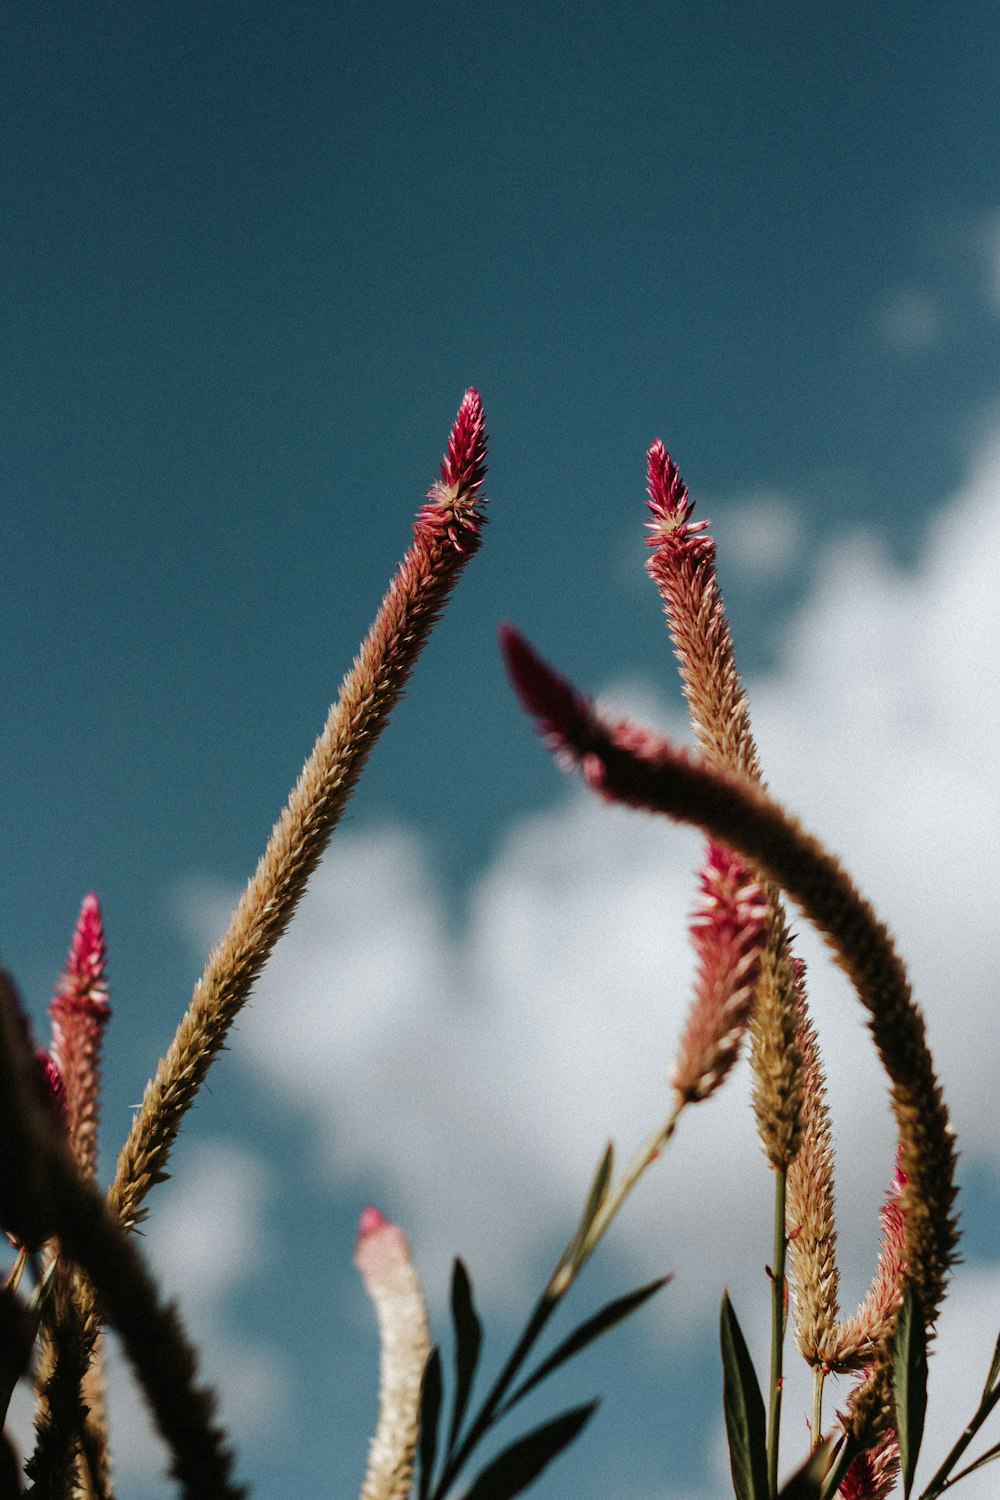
x,y
670,505
84,980
371,1220
463,467
561,712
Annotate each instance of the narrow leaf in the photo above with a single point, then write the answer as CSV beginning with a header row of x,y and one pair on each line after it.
x,y
909,1383
520,1464
430,1414
595,1202
746,1427
978,1463
807,1481
468,1341
609,1315
994,1370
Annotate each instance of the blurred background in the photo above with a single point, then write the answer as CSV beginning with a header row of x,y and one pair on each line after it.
x,y
253,255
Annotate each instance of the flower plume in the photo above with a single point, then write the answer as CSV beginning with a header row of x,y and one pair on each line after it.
x,y
382,1255
446,532
728,930
80,1012
646,771
463,467
682,565
812,1246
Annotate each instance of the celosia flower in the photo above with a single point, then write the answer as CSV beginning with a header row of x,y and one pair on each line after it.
x,y
382,1255
855,1342
872,1475
729,929
682,565
645,770
446,532
80,1012
683,568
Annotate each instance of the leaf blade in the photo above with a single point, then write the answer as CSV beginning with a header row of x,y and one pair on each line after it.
x,y
520,1465
611,1314
807,1481
746,1427
909,1383
431,1393
468,1343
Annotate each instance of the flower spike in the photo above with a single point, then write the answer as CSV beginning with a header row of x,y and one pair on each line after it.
x,y
80,1012
646,771
446,532
382,1255
812,1246
729,929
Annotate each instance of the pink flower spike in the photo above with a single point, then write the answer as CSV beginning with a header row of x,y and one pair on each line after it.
x,y
451,511
85,963
561,713
872,1475
729,930
669,502
80,1012
464,464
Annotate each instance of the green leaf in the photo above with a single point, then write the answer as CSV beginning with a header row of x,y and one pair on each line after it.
x,y
521,1463
994,1370
595,1202
807,1482
468,1341
430,1413
909,1383
746,1427
611,1314
979,1463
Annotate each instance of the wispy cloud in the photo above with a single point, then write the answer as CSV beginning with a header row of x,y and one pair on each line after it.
x,y
909,320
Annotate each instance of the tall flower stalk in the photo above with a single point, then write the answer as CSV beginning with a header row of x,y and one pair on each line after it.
x,y
446,533
644,770
682,565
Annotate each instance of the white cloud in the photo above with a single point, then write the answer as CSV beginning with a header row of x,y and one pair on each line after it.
x,y
909,320
761,533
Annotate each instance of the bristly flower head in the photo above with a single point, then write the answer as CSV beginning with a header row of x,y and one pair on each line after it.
x,y
670,507
80,1012
873,1475
452,499
854,1343
84,980
729,930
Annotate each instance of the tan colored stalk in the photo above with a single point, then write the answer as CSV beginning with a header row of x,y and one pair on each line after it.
x,y
446,533
812,1233
45,1194
643,770
383,1258
80,1012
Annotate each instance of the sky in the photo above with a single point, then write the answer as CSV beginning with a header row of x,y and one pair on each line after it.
x,y
252,257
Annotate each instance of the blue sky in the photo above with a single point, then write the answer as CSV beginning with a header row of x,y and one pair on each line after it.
x,y
252,257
